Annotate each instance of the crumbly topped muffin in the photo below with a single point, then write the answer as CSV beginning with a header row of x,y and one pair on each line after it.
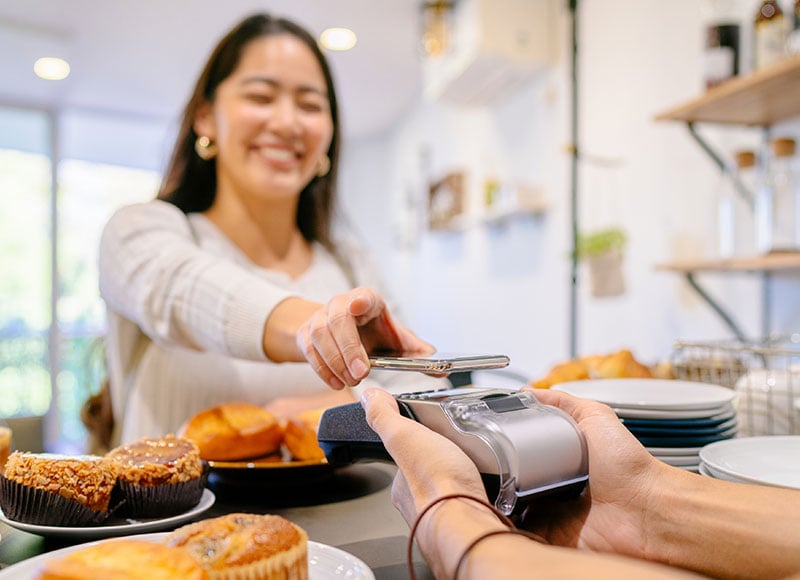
x,y
124,560
86,479
245,546
154,461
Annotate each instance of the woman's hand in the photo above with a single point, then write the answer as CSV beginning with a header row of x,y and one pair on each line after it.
x,y
336,338
611,515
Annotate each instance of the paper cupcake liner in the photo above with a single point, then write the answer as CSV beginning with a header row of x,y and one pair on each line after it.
x,y
35,506
158,501
289,565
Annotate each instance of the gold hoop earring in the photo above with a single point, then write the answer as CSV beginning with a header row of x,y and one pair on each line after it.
x,y
323,166
205,149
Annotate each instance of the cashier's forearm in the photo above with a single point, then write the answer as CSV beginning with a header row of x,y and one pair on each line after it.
x,y
725,529
449,529
280,330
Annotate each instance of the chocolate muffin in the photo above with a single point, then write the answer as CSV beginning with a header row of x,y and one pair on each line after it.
x,y
158,477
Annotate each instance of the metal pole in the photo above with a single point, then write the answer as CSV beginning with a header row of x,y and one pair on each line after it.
x,y
573,305
52,425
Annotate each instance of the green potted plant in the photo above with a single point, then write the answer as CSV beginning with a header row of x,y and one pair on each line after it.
x,y
603,251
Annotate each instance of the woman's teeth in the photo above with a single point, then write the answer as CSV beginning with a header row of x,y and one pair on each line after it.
x,y
277,154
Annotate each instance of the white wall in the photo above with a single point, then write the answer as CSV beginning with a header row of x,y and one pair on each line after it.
x,y
507,288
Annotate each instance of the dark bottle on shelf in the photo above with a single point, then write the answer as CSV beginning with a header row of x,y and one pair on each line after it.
x,y
721,50
769,34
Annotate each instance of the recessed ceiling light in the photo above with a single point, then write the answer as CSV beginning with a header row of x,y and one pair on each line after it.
x,y
51,68
338,38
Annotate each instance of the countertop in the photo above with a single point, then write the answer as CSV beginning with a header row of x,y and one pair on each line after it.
x,y
349,508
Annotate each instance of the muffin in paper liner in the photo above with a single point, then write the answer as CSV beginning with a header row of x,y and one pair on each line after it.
x,y
289,565
36,506
157,501
242,546
158,476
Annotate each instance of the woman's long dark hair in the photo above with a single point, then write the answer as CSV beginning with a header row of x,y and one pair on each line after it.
x,y
190,183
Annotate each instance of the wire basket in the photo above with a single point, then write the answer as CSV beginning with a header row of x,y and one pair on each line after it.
x,y
765,374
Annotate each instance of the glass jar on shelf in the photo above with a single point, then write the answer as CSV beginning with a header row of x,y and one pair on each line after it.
x,y
778,201
734,215
770,29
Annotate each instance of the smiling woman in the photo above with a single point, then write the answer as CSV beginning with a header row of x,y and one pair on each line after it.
x,y
215,291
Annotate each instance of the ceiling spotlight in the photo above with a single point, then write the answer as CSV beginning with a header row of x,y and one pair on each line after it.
x,y
338,38
436,24
51,68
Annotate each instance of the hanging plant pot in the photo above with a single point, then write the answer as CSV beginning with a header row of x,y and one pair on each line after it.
x,y
603,252
606,275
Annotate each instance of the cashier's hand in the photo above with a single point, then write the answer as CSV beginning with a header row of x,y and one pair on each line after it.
x,y
336,338
430,466
610,516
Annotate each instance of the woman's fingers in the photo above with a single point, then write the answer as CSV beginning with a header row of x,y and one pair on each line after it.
x,y
337,337
306,345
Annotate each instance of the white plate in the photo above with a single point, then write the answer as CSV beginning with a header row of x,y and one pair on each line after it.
x,y
679,460
678,451
109,531
329,563
706,470
324,562
627,413
651,394
770,460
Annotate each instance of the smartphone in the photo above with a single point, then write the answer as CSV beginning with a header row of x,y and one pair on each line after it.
x,y
440,363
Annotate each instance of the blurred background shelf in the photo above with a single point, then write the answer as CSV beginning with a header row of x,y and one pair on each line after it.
x,y
762,98
766,263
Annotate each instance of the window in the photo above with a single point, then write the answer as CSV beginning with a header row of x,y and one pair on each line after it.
x,y
51,355
25,265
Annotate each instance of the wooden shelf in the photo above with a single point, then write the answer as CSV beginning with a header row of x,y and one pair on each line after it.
x,y
503,214
765,97
768,263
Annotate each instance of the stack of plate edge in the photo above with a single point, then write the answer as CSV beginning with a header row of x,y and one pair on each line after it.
x,y
661,432
773,459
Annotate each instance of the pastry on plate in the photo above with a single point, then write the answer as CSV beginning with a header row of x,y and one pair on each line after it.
x,y
57,490
158,477
619,364
300,436
127,559
232,431
239,546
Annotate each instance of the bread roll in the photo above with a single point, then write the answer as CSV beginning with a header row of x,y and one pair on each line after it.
x,y
300,436
232,431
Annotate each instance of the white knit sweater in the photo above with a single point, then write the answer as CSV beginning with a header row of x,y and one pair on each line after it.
x,y
186,312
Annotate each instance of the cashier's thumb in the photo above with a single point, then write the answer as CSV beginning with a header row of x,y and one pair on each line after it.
x,y
376,404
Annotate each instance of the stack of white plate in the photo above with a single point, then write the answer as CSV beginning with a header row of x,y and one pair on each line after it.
x,y
672,419
767,460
